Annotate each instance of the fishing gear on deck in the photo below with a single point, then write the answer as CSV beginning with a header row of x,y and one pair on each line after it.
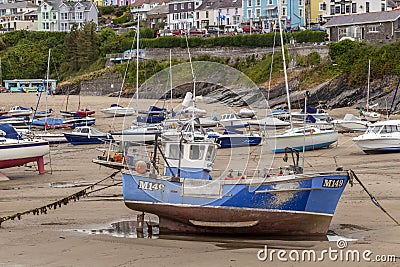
x,y
373,199
75,197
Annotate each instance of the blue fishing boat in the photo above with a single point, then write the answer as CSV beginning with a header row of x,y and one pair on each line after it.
x,y
235,138
187,199
86,135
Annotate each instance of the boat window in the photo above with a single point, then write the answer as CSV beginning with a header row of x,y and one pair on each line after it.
x,y
174,151
374,129
85,130
210,153
196,151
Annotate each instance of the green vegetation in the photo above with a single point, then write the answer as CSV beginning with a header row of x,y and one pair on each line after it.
x,y
82,51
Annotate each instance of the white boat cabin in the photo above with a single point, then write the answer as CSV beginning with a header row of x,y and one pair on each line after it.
x,y
193,158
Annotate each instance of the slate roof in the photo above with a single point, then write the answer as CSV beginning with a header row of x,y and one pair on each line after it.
x,y
364,18
141,2
216,4
19,4
160,9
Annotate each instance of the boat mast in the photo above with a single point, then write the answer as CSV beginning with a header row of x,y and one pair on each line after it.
x,y
47,86
170,73
194,82
137,64
284,62
369,73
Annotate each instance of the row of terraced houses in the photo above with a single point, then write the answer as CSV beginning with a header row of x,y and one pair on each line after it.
x,y
60,15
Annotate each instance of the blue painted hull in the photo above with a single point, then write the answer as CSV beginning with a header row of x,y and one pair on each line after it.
x,y
226,141
84,140
309,147
250,206
150,119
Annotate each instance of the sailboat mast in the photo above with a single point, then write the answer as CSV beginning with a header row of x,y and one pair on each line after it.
x,y
284,63
137,63
369,73
170,73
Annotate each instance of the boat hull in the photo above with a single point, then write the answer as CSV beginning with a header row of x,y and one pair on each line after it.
x,y
379,145
84,140
238,141
308,141
352,126
18,153
289,205
216,220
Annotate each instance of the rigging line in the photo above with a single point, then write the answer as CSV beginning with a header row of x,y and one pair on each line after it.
x,y
124,78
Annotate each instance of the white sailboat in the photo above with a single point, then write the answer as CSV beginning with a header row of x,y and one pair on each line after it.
x,y
371,116
302,138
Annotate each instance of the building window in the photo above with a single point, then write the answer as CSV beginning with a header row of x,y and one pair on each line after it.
x,y
353,7
236,10
79,15
343,31
332,10
284,11
175,7
46,26
197,15
367,7
373,28
301,2
249,14
347,9
383,7
258,2
269,2
301,13
258,12
45,15
322,6
189,5
206,14
284,2
248,2
64,16
337,10
182,6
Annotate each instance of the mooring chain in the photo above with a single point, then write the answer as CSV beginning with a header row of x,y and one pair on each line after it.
x,y
64,201
373,199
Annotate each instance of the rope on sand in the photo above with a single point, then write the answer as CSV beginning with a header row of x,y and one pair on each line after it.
x,y
373,199
76,196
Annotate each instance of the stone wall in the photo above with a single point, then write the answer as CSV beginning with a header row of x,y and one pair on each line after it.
x,y
106,84
235,52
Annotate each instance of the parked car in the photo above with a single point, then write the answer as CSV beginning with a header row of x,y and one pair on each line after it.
x,y
318,28
179,32
246,29
233,29
196,31
165,32
215,31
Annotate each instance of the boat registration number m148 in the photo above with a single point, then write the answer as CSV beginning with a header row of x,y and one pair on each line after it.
x,y
150,186
333,183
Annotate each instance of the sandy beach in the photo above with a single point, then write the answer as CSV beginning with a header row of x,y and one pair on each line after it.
x,y
71,235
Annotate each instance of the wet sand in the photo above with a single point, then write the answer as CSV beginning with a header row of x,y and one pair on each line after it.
x,y
52,240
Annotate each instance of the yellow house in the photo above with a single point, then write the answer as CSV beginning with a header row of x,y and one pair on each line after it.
x,y
315,9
